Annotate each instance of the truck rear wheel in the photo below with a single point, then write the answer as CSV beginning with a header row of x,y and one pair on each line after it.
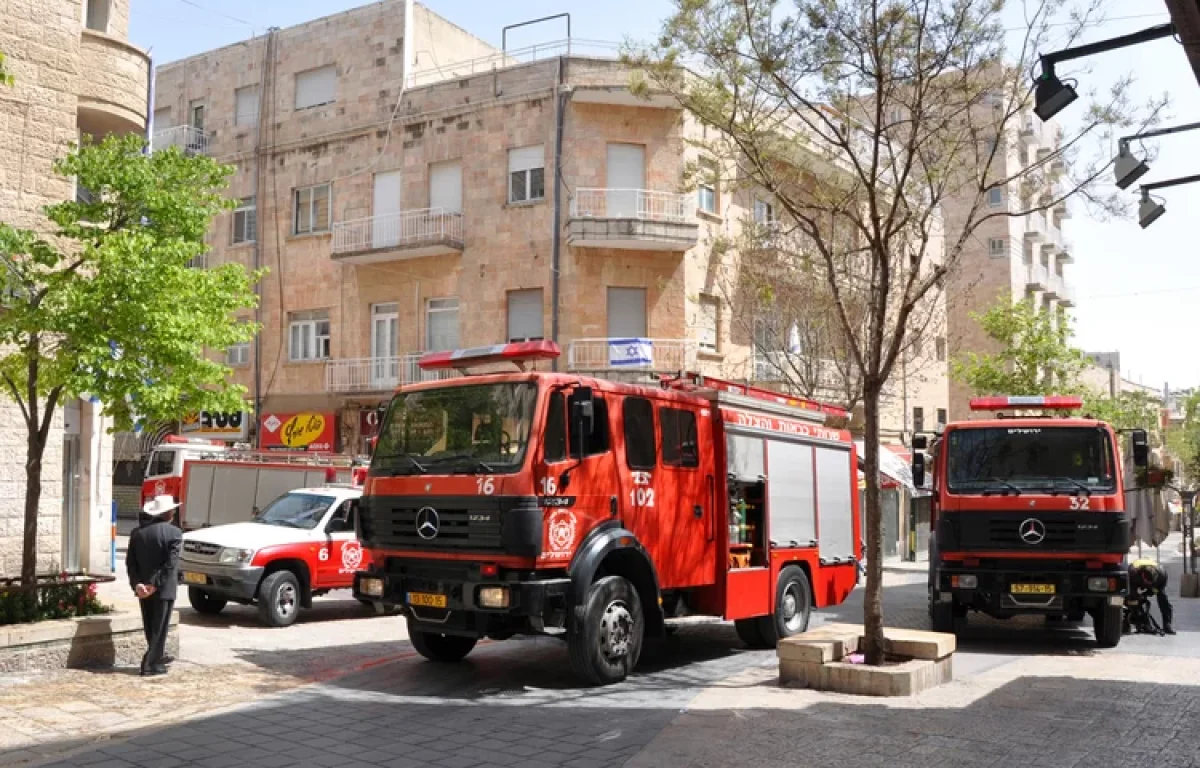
x,y
793,607
749,632
447,649
606,632
204,602
1107,620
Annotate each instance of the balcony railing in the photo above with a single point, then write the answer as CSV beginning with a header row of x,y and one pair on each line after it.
x,y
641,204
377,374
192,140
432,229
631,354
1037,276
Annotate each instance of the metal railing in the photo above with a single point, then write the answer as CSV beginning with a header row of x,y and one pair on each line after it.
x,y
627,354
184,136
394,230
378,374
548,50
1037,275
643,204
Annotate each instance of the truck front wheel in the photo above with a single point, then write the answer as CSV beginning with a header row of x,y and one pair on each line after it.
x,y
1107,620
606,631
447,649
279,599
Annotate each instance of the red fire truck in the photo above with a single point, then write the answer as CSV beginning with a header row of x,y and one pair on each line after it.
x,y
1029,516
164,467
596,511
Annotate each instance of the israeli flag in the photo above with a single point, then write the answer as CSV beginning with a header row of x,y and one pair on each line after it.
x,y
630,353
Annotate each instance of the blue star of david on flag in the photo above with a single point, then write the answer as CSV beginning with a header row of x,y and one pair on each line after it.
x,y
626,353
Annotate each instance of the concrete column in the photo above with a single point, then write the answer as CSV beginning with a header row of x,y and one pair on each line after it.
x,y
95,490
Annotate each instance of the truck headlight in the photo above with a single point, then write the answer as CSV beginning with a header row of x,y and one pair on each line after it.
x,y
965,581
1101,584
233,556
371,587
493,597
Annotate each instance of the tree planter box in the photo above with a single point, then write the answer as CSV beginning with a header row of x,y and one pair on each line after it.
x,y
110,640
816,659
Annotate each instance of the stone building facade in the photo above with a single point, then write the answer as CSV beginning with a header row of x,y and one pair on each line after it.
x,y
76,74
395,224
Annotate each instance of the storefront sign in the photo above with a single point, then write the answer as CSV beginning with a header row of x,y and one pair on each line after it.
x,y
234,427
310,431
368,423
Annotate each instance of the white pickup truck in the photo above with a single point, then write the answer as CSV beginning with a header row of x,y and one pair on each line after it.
x,y
303,544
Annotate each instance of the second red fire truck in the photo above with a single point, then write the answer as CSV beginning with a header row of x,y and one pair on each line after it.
x,y
596,511
1029,516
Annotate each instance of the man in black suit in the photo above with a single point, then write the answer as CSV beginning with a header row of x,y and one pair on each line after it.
x,y
152,563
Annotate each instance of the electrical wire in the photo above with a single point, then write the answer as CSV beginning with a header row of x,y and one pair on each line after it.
x,y
194,4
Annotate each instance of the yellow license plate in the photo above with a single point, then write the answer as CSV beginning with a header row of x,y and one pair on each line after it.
x,y
195,578
1032,589
426,600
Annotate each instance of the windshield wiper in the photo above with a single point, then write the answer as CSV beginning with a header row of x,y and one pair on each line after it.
x,y
478,464
1008,487
284,523
1073,481
421,468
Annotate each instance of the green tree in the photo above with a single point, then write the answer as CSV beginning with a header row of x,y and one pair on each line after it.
x,y
1183,440
1128,410
861,120
108,307
1035,355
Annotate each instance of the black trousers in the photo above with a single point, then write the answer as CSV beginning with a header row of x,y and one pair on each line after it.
x,y
156,619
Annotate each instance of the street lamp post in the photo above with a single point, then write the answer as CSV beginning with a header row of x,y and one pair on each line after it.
x,y
1149,210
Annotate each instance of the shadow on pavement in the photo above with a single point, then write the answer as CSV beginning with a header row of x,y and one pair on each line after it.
x,y
234,615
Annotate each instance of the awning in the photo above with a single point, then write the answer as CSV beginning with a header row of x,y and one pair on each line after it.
x,y
892,466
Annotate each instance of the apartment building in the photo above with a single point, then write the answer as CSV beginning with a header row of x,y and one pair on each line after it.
x,y
495,199
75,74
1009,257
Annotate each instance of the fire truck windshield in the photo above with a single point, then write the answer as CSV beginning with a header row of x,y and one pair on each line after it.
x,y
468,429
1030,459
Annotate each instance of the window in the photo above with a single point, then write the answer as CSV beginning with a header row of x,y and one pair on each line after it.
x,y
196,115
312,207
941,417
316,87
940,346
162,118
638,415
441,325
445,186
308,335
162,462
995,197
245,221
708,187
525,320
709,322
97,15
556,429
997,246
526,174
597,442
238,354
764,212
679,444
626,313
918,420
246,109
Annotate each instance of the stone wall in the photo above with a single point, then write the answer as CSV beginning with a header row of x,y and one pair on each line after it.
x,y
110,640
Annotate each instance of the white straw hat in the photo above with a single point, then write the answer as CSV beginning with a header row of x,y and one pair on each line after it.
x,y
160,505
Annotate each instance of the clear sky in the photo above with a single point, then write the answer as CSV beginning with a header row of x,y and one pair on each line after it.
x,y
1135,288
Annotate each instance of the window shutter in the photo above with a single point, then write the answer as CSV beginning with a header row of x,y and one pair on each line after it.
x,y
626,313
525,315
162,118
445,186
441,321
526,158
246,111
316,86
708,322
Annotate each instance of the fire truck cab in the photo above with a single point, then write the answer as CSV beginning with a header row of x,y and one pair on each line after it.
x,y
1029,516
167,462
597,511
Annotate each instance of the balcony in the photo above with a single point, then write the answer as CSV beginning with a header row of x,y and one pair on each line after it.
x,y
377,374
1066,252
1037,277
632,219
1027,131
398,236
1065,293
192,141
612,355
114,77
1035,228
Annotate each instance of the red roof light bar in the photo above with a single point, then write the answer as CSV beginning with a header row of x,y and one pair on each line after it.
x,y
1046,402
517,352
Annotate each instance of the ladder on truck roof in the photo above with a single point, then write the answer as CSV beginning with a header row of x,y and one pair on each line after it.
x,y
736,393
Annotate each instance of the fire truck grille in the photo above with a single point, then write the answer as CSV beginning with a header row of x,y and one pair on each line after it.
x,y
1033,530
1005,534
399,527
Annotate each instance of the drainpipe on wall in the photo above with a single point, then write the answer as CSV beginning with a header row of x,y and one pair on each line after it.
x,y
265,112
561,94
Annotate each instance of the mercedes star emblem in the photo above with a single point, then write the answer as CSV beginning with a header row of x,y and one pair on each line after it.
x,y
1032,531
427,523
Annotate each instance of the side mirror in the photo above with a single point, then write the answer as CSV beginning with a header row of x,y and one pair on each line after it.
x,y
583,416
918,469
920,442
564,480
1141,448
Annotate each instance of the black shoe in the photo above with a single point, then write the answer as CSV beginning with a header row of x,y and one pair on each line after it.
x,y
154,671
168,661
1168,629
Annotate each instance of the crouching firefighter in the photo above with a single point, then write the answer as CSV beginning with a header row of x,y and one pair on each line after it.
x,y
1147,578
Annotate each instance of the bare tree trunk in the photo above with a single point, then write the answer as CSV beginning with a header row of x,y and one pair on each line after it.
x,y
873,598
35,449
